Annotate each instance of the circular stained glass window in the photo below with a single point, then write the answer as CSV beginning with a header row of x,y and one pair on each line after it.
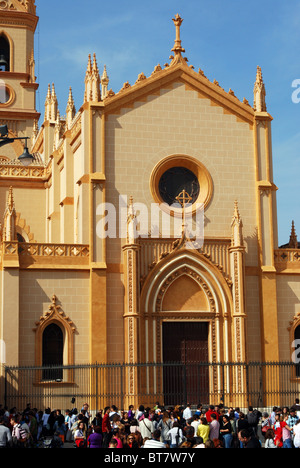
x,y
176,180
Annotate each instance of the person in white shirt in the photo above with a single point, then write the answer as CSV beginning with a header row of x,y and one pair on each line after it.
x,y
175,436
296,431
146,427
187,413
195,423
5,435
155,442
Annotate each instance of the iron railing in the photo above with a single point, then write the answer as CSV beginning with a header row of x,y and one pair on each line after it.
x,y
233,384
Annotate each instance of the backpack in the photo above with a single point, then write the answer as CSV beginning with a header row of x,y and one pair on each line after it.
x,y
178,438
253,418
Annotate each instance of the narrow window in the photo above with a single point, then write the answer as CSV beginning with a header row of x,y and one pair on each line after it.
x,y
52,352
4,54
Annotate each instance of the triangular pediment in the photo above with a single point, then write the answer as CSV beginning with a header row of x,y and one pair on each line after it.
x,y
25,6
179,72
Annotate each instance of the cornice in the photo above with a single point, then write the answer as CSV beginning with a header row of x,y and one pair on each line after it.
x,y
18,19
19,114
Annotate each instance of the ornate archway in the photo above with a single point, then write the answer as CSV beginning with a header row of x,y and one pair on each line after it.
x,y
185,285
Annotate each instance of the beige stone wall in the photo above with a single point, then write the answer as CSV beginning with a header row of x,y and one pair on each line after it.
x,y
253,318
179,122
115,308
36,291
288,296
31,204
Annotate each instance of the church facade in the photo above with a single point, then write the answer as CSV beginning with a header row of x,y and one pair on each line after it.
x,y
146,219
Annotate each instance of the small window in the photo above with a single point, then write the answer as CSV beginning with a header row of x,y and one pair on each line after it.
x,y
53,352
4,54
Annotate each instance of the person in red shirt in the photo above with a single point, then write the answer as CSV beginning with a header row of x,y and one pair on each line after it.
x,y
106,428
208,413
277,428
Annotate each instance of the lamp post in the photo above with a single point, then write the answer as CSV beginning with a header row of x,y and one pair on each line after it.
x,y
26,158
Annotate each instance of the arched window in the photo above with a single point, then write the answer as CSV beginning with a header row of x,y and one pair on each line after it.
x,y
4,54
53,343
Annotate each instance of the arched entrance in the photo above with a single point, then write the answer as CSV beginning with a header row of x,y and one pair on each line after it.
x,y
186,311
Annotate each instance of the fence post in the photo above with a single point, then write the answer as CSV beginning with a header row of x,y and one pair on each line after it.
x,y
122,391
97,386
223,382
247,385
5,385
260,384
184,386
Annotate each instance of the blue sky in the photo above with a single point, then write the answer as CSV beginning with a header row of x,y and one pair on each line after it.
x,y
226,39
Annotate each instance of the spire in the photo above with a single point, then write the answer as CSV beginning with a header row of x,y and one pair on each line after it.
x,y
178,49
92,81
51,104
70,111
9,224
48,104
54,104
96,81
237,228
88,75
57,132
104,83
293,244
259,93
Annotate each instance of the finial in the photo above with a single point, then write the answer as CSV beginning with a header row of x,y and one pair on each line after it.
x,y
104,83
49,91
178,49
293,244
70,111
237,225
53,92
9,224
259,92
236,213
89,65
10,200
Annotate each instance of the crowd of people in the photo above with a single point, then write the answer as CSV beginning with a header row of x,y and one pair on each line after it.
x,y
153,428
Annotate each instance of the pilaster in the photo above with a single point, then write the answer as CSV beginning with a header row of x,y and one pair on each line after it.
x,y
266,222
131,302
237,253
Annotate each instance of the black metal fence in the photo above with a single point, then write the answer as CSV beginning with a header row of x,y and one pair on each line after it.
x,y
233,384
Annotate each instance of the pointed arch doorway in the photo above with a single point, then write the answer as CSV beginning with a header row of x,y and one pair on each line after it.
x,y
185,286
185,354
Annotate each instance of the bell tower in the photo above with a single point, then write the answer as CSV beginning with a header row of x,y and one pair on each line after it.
x,y
18,22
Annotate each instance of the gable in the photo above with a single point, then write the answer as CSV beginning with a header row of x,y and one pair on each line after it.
x,y
165,78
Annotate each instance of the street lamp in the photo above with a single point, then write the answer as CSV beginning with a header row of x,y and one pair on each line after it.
x,y
26,158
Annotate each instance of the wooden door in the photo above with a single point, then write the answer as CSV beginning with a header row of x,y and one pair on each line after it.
x,y
185,357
